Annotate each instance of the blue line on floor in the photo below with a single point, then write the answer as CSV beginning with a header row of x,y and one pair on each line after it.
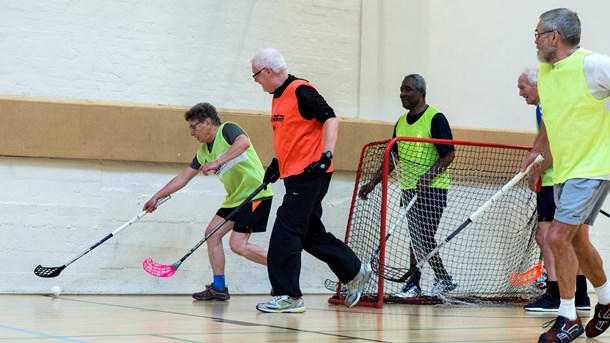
x,y
41,334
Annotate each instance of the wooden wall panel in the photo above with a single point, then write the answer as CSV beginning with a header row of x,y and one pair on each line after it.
x,y
80,129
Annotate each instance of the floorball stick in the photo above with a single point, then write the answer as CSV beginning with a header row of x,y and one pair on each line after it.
x,y
166,270
49,272
407,277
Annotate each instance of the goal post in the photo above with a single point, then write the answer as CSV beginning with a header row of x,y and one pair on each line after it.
x,y
390,221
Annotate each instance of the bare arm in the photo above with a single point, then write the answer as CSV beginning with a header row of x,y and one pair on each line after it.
x,y
241,144
175,184
437,168
541,146
377,177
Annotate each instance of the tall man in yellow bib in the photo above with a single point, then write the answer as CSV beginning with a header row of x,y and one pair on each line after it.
x,y
574,90
541,182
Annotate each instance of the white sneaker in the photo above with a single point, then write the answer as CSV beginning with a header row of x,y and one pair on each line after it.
x,y
356,286
282,304
442,287
410,290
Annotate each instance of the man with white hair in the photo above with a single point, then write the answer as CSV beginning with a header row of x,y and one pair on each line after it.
x,y
304,135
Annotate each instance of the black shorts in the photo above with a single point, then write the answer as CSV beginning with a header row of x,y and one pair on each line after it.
x,y
545,201
252,217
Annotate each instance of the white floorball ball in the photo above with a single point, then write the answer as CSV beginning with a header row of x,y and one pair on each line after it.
x,y
55,290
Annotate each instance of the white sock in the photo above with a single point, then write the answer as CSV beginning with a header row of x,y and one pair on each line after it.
x,y
603,294
567,309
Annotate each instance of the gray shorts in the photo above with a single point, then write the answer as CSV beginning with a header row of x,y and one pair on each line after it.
x,y
579,200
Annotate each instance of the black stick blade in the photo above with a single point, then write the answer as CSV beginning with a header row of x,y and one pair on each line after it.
x,y
48,272
409,275
333,285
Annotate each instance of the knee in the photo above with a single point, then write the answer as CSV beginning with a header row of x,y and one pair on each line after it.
x,y
556,241
541,237
213,240
237,247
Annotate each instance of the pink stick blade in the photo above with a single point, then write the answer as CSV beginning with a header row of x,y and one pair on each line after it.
x,y
158,270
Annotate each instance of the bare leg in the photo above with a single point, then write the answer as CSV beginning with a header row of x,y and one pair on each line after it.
x,y
559,239
239,244
216,252
588,257
547,253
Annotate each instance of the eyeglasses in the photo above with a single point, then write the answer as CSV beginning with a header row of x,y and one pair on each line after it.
x,y
537,35
258,72
194,126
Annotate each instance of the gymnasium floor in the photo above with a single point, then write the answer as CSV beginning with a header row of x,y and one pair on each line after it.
x,y
161,318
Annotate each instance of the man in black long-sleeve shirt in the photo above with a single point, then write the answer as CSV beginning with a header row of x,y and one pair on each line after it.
x,y
305,132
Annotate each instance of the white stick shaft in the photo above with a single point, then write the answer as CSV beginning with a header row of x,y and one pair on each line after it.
x,y
402,215
504,189
108,236
480,210
138,216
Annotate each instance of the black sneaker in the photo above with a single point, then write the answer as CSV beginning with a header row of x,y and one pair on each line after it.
x,y
583,303
212,293
600,321
563,330
546,303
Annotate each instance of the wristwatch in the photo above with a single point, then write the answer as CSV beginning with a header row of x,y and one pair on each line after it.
x,y
328,155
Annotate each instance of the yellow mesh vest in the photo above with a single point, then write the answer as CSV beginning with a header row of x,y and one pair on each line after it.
x,y
240,176
416,158
578,126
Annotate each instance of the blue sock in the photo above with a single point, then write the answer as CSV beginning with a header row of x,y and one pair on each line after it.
x,y
219,281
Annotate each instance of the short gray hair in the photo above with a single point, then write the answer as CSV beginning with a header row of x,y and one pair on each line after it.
x,y
565,22
201,112
532,75
418,82
269,58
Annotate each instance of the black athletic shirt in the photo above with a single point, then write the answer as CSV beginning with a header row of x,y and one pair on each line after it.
x,y
229,132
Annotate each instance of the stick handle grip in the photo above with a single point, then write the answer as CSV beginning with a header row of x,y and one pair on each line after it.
x,y
138,216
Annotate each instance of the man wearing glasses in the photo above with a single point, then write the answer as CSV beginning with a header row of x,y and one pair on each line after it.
x,y
541,182
574,90
227,153
304,135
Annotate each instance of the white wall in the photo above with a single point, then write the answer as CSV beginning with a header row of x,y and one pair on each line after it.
x,y
470,52
183,52
355,52
176,52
